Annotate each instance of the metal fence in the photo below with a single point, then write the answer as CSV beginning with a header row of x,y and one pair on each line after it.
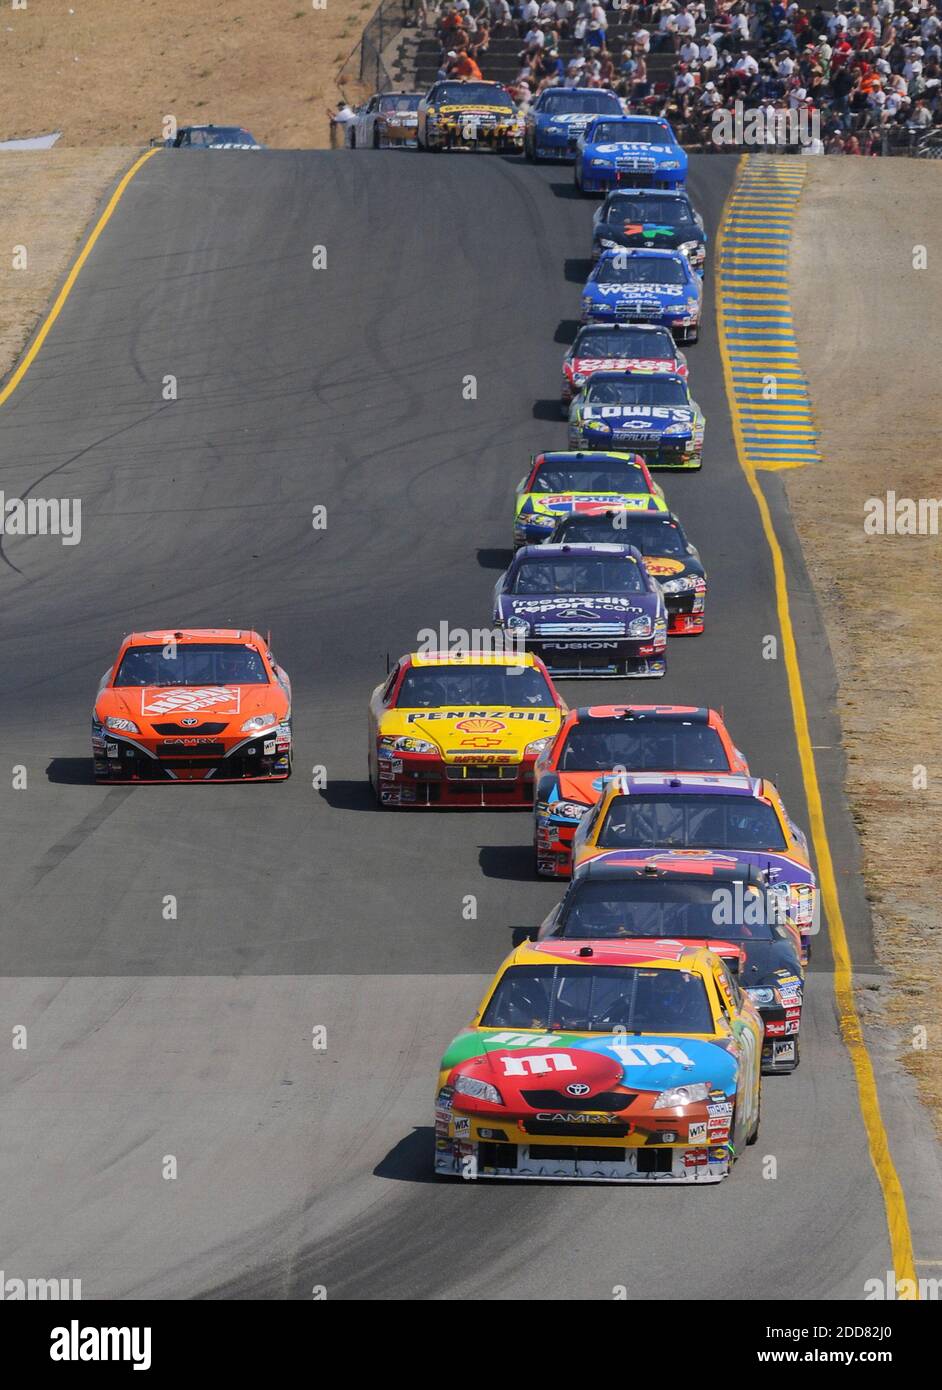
x,y
365,63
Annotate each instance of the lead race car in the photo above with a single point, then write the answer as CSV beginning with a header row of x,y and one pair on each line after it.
x,y
468,115
669,557
723,905
581,484
703,817
558,117
628,348
210,137
631,151
451,729
193,705
645,287
609,1061
656,416
586,610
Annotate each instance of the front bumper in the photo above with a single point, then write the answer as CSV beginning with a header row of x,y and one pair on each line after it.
x,y
552,846
601,657
780,1051
134,758
398,137
657,453
555,1160
451,136
422,780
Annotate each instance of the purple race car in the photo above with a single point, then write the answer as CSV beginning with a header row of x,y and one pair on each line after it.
x,y
586,610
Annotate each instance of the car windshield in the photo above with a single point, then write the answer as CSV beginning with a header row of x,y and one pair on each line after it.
x,y
646,533
631,907
473,94
593,103
636,390
648,211
434,687
624,342
599,999
403,102
626,478
630,133
583,576
191,663
696,821
223,135
624,269
643,744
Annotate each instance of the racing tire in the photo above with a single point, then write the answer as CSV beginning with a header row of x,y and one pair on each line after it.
x,y
754,1136
353,139
376,144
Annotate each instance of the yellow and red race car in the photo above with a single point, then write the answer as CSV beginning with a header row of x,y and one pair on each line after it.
x,y
192,705
603,1061
461,730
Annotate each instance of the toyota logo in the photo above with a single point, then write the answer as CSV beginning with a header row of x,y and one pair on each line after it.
x,y
577,1088
188,723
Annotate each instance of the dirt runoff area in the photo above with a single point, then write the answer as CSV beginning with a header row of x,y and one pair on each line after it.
x,y
107,72
866,288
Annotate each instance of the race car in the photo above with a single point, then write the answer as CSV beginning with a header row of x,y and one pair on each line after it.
x,y
597,742
559,116
720,903
653,415
585,610
645,287
618,347
609,1061
468,115
654,220
194,705
704,816
628,151
668,555
388,120
211,137
580,484
461,730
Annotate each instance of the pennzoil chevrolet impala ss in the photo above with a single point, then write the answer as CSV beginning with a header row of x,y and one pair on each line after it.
x,y
461,730
604,1061
193,705
469,115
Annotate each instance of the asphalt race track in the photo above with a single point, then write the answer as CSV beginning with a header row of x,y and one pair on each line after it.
x,y
297,907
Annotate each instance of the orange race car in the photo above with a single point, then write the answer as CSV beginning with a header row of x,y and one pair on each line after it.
x,y
598,740
193,706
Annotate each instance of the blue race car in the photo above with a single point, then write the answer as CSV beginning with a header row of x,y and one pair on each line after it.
x,y
586,610
645,287
211,137
560,115
654,416
655,220
629,152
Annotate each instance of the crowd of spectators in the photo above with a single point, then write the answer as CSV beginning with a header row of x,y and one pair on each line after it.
x,y
865,78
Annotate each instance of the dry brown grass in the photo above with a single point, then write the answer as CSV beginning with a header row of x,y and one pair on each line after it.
x,y
106,72
867,325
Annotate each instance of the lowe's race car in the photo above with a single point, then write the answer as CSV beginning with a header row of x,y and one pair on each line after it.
x,y
631,151
585,610
618,347
656,221
560,115
647,287
653,415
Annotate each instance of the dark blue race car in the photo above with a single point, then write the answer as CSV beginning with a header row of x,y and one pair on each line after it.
x,y
586,610
654,220
645,287
211,137
560,115
630,152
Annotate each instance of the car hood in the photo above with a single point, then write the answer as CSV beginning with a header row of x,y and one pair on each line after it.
x,y
519,1062
585,366
663,567
781,868
474,735
147,705
655,234
601,289
634,147
651,419
577,609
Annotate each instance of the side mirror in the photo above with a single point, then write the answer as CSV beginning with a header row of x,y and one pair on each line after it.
x,y
519,935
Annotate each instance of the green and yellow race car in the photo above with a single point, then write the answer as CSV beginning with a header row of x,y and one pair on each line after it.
x,y
581,484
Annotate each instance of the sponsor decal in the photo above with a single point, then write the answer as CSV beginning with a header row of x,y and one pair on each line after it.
x,y
462,1127
481,726
718,1108
659,566
642,413
163,701
697,1132
538,716
783,1051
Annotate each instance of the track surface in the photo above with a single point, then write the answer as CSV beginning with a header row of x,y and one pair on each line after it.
x,y
296,908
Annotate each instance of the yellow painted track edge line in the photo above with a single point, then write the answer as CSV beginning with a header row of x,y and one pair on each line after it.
x,y
32,351
897,1218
